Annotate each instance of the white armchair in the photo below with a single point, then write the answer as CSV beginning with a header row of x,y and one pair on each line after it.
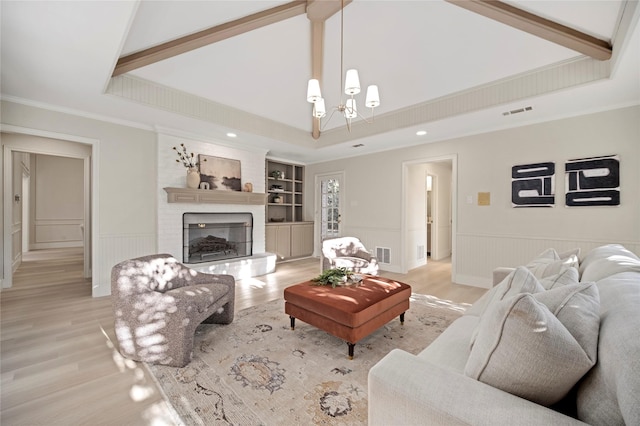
x,y
350,253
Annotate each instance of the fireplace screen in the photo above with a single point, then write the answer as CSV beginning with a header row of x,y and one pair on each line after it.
x,y
216,236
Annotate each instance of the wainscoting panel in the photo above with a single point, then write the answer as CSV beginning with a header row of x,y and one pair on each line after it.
x,y
113,249
55,233
479,255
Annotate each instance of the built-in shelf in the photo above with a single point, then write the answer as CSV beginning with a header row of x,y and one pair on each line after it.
x,y
202,196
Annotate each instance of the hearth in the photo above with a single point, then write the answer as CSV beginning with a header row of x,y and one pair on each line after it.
x,y
216,236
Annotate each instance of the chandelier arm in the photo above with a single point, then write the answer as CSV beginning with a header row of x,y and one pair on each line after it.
x,y
363,117
322,127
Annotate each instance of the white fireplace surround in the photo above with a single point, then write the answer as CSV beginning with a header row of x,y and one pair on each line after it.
x,y
172,174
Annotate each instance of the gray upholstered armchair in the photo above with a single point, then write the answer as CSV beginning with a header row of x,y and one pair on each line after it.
x,y
158,303
350,253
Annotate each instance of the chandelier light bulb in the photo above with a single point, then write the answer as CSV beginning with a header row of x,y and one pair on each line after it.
x,y
318,109
351,111
352,83
373,97
313,91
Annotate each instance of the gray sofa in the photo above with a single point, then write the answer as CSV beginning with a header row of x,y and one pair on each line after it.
x,y
455,381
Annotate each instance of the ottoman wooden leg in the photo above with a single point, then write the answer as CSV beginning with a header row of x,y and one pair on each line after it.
x,y
293,322
351,346
402,318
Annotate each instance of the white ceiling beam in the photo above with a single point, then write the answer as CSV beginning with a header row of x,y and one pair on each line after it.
x,y
208,36
538,26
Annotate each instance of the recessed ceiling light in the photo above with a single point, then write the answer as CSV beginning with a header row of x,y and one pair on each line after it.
x,y
231,135
421,132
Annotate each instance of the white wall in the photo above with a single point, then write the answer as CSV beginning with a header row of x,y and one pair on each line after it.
x,y
416,215
172,174
125,174
498,235
441,212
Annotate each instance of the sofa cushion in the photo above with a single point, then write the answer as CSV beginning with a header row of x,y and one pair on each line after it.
x,y
550,262
520,280
613,264
604,252
538,346
608,395
450,350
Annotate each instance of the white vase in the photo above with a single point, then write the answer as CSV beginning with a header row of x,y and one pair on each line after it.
x,y
193,178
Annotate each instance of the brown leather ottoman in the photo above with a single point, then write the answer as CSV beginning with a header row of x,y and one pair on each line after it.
x,y
350,313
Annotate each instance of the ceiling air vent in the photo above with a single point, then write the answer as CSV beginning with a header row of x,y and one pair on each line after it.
x,y
517,111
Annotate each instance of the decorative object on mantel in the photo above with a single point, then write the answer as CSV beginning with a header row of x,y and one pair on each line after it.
x,y
277,174
193,167
193,178
248,187
223,174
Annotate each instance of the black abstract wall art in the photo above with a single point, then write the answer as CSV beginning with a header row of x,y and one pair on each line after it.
x,y
533,185
593,181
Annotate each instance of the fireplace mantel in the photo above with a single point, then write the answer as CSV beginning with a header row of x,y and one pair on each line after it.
x,y
200,196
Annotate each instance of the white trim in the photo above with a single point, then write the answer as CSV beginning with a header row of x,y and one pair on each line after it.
x,y
454,209
91,184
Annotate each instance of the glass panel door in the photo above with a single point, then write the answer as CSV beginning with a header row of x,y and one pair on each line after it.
x,y
330,206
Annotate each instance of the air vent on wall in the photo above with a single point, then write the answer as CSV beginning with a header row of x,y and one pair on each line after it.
x,y
383,254
517,111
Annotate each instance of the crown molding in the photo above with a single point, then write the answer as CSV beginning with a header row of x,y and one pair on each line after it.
x,y
76,112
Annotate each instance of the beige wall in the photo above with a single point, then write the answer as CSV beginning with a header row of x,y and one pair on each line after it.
x,y
57,202
125,173
499,235
486,237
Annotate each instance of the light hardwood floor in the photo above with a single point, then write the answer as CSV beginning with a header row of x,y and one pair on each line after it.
x,y
58,363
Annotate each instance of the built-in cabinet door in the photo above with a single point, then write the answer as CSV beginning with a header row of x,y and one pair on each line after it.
x,y
302,239
271,240
278,240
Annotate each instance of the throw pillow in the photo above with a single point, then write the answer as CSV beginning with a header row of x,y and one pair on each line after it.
x,y
537,346
520,280
566,277
549,262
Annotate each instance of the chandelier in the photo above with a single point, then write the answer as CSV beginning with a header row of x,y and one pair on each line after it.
x,y
348,107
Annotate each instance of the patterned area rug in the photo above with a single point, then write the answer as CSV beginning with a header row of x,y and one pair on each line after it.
x,y
257,371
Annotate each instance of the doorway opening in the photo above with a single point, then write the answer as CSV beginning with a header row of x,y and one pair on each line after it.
x,y
28,142
428,228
